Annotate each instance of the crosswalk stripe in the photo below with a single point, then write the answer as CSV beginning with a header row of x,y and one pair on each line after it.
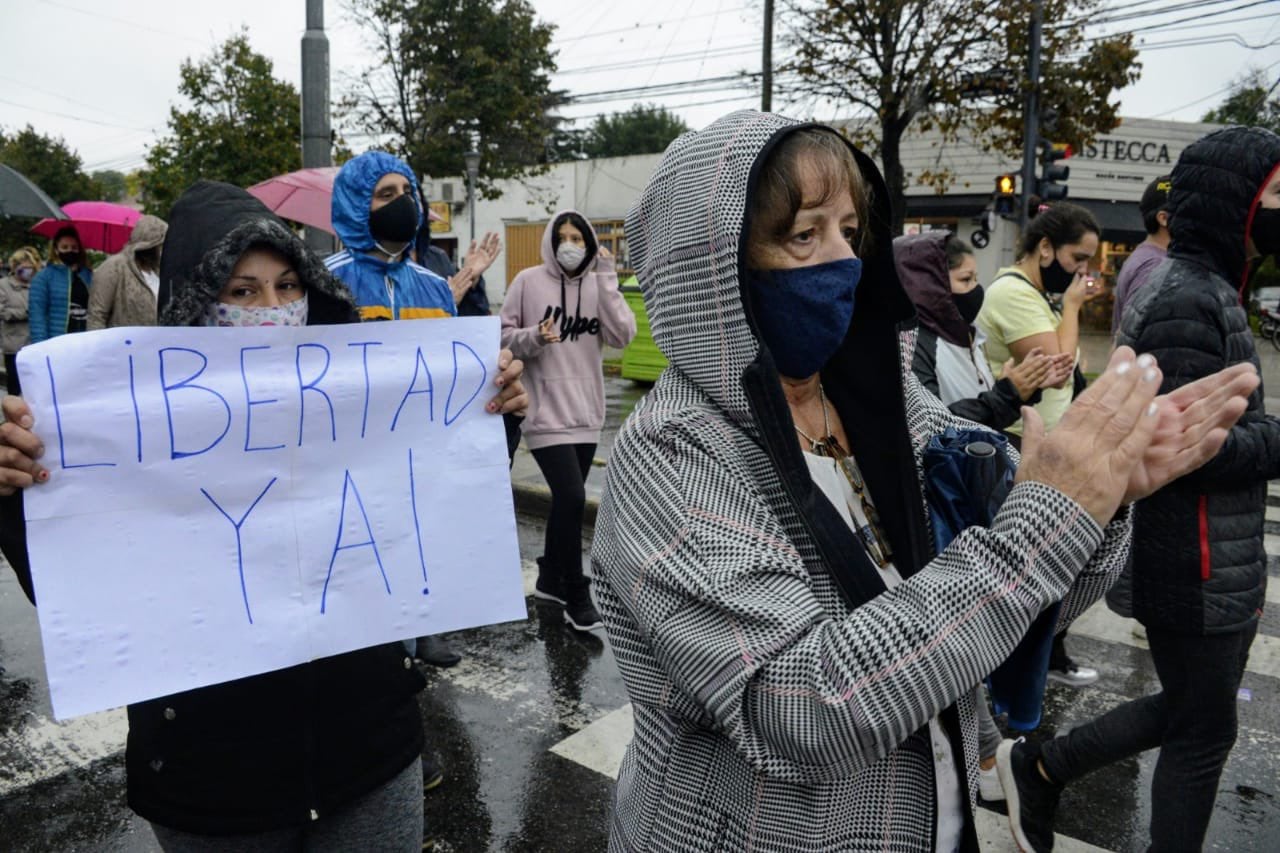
x,y
1099,623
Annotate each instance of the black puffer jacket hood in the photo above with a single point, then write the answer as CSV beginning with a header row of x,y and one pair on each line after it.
x,y
211,225
1216,185
922,268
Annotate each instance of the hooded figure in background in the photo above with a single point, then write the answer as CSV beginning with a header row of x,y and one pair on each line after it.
x,y
126,286
559,317
1199,568
378,233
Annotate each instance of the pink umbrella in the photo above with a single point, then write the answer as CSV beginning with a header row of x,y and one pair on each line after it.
x,y
102,225
304,196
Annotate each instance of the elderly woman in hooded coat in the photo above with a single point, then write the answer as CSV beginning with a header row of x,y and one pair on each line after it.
x,y
800,662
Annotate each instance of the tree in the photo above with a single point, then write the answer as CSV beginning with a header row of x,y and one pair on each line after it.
x,y
643,129
50,165
1252,101
453,73
242,126
113,183
907,64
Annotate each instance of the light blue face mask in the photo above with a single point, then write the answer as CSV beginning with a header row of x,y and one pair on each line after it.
x,y
804,313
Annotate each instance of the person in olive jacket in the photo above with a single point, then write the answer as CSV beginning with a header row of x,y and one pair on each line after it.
x,y
125,286
1199,568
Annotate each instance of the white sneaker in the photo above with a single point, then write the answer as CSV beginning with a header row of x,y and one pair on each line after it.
x,y
1074,675
989,787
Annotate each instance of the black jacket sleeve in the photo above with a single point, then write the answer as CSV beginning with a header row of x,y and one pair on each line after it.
x,y
1191,339
998,408
13,541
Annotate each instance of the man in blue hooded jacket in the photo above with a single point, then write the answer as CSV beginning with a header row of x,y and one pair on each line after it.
x,y
376,213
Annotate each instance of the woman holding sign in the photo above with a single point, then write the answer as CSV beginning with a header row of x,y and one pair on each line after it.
x,y
324,755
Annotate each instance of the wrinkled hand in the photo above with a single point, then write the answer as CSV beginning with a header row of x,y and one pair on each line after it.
x,y
1193,425
513,400
550,334
482,254
1028,375
19,448
1091,455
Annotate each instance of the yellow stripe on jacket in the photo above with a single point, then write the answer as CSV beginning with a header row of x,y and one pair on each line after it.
x,y
382,312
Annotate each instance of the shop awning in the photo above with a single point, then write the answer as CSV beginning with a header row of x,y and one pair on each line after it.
x,y
1120,220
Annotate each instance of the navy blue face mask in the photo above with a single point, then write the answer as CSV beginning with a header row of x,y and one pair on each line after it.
x,y
803,314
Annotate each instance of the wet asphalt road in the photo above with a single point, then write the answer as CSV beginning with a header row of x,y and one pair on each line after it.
x,y
531,725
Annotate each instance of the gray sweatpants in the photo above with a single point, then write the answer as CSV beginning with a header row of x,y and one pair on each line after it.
x,y
387,819
989,736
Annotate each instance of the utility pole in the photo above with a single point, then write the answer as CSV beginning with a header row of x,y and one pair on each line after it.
x,y
766,73
1031,113
316,138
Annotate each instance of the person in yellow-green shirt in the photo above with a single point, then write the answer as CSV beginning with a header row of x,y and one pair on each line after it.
x,y
1017,315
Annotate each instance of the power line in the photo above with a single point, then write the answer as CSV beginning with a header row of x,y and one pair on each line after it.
x,y
73,117
126,22
638,25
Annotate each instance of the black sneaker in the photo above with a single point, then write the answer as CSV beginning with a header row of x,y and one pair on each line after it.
x,y
432,772
1032,801
580,613
547,587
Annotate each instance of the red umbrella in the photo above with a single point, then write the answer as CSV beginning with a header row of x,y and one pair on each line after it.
x,y
102,225
304,196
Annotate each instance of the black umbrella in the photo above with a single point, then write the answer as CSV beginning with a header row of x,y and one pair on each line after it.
x,y
20,197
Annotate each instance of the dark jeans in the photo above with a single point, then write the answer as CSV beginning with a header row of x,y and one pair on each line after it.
x,y
11,373
1192,720
565,468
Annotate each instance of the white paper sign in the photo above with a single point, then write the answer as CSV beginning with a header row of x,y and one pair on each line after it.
x,y
226,502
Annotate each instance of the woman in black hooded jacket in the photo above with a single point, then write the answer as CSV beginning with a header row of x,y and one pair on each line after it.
x,y
323,755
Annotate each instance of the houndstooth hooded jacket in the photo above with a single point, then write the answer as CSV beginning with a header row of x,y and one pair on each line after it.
x,y
781,695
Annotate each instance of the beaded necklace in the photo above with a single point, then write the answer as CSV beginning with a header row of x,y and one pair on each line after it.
x,y
872,533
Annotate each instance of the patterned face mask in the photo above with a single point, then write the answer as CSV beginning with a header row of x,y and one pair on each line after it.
x,y
289,314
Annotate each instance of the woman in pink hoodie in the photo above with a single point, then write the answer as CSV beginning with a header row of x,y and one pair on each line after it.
x,y
558,317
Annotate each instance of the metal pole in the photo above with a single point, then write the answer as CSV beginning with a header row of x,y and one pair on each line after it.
x,y
1031,115
316,137
766,65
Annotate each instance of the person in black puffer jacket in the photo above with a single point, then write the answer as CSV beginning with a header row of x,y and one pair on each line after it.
x,y
1199,569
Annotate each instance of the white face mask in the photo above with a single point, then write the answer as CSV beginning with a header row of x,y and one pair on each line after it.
x,y
289,314
570,256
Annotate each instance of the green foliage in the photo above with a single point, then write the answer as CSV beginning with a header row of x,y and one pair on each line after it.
x,y
454,73
53,167
114,184
242,126
1251,101
903,64
643,129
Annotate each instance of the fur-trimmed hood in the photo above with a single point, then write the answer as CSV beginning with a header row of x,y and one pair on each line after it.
x,y
210,227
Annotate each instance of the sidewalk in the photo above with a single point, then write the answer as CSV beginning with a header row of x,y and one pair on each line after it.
x,y
534,498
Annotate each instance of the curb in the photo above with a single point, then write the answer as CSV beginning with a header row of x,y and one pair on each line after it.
x,y
536,500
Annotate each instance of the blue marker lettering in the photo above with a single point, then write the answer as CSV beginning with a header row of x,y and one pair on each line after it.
x,y
313,385
57,417
188,384
244,592
417,525
250,403
484,374
133,395
364,362
419,364
338,546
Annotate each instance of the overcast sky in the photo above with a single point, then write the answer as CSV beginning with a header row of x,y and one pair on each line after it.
x,y
103,73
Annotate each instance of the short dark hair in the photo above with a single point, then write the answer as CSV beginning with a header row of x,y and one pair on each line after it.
x,y
66,231
957,250
1062,223
778,194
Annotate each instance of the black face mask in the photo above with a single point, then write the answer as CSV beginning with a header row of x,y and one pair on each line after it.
x,y
395,222
69,258
1266,231
969,304
1055,277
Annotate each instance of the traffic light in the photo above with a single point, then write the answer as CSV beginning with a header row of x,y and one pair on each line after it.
x,y
1052,172
1006,194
